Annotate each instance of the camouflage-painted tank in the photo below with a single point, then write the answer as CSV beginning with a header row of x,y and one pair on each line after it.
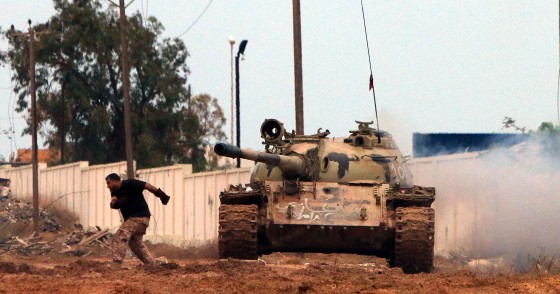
x,y
310,193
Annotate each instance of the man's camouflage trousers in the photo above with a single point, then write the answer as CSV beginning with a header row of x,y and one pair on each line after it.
x,y
130,235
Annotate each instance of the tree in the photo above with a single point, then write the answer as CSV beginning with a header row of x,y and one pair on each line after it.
x,y
548,135
509,122
210,123
79,92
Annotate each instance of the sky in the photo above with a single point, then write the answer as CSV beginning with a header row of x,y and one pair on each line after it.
x,y
438,66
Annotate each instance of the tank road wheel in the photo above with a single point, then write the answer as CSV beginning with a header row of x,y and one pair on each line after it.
x,y
238,231
414,239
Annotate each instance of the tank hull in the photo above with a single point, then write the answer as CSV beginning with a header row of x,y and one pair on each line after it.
x,y
327,239
267,220
245,233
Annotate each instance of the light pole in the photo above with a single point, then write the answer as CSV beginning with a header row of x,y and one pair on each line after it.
x,y
231,43
240,52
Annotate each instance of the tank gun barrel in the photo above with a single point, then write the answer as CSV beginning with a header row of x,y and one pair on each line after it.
x,y
292,164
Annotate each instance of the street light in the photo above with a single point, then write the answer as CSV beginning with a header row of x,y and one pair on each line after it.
x,y
240,52
231,43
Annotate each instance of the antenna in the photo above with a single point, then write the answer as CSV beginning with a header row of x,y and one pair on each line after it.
x,y
371,85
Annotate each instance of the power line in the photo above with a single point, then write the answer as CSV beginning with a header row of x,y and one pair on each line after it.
x,y
144,14
9,118
196,20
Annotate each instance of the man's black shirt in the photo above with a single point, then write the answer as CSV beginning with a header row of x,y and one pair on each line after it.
x,y
131,200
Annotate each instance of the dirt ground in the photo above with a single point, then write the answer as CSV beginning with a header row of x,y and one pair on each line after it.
x,y
274,273
55,262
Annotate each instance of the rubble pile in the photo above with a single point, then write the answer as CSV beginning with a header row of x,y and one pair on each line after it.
x,y
18,212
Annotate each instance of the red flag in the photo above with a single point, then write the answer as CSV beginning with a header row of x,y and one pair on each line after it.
x,y
370,82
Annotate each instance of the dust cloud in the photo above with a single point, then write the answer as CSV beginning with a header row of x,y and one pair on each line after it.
x,y
502,202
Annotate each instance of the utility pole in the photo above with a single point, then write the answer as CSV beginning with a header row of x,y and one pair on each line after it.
x,y
126,92
35,164
31,34
298,79
63,118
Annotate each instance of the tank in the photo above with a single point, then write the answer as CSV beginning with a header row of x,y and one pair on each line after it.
x,y
312,193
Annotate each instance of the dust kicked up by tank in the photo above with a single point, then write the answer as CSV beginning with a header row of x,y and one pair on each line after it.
x,y
500,203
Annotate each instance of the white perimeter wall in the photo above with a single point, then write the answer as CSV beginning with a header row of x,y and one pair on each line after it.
x,y
464,191
190,216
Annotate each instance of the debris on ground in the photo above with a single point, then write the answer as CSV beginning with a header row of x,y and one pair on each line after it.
x,y
16,210
77,241
27,247
16,220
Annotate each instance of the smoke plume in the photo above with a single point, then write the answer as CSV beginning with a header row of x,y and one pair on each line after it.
x,y
495,203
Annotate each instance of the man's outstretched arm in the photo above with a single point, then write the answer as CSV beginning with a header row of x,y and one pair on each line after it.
x,y
158,193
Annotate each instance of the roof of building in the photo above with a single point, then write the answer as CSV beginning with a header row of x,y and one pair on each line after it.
x,y
43,155
432,144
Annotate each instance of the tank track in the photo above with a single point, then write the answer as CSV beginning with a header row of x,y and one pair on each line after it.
x,y
237,236
414,239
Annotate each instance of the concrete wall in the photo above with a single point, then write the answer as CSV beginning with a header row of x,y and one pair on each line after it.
x,y
467,211
190,216
21,178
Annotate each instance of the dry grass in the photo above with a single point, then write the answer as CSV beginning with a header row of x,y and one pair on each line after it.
x,y
539,263
22,228
65,218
